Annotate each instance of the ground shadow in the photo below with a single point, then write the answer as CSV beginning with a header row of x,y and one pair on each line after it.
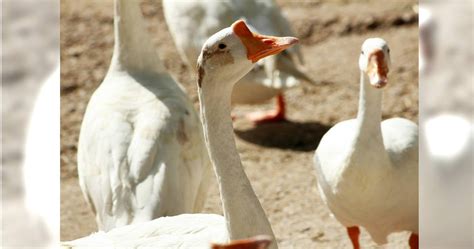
x,y
286,135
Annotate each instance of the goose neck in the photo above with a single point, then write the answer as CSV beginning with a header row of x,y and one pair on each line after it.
x,y
243,212
133,49
369,114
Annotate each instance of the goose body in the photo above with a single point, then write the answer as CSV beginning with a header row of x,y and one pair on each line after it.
x,y
141,152
209,228
244,216
359,195
192,22
180,231
367,169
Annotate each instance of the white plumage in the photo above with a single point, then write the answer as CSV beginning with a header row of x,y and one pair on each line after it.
x,y
181,231
244,216
192,22
141,152
367,169
197,231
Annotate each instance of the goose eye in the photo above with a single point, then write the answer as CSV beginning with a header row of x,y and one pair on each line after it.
x,y
388,50
362,52
222,46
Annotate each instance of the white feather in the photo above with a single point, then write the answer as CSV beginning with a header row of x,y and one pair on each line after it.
x,y
192,22
244,215
368,170
181,231
141,152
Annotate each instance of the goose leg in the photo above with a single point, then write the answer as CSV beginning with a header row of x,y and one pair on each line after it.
x,y
413,241
354,233
276,115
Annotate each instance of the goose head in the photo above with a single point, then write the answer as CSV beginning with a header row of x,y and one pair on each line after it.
x,y
232,52
374,61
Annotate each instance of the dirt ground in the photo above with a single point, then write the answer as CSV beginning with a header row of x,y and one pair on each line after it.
x,y
276,157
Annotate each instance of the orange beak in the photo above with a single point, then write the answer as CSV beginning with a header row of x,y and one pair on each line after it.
x,y
377,69
260,46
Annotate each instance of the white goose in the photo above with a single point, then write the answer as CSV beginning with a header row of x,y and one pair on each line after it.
x,y
226,57
116,239
192,22
367,169
141,152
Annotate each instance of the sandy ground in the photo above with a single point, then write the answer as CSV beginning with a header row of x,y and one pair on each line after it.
x,y
276,157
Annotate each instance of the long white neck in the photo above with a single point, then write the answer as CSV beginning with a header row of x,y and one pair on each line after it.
x,y
133,47
242,210
369,116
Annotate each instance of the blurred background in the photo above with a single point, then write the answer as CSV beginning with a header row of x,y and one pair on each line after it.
x,y
30,51
277,157
446,124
